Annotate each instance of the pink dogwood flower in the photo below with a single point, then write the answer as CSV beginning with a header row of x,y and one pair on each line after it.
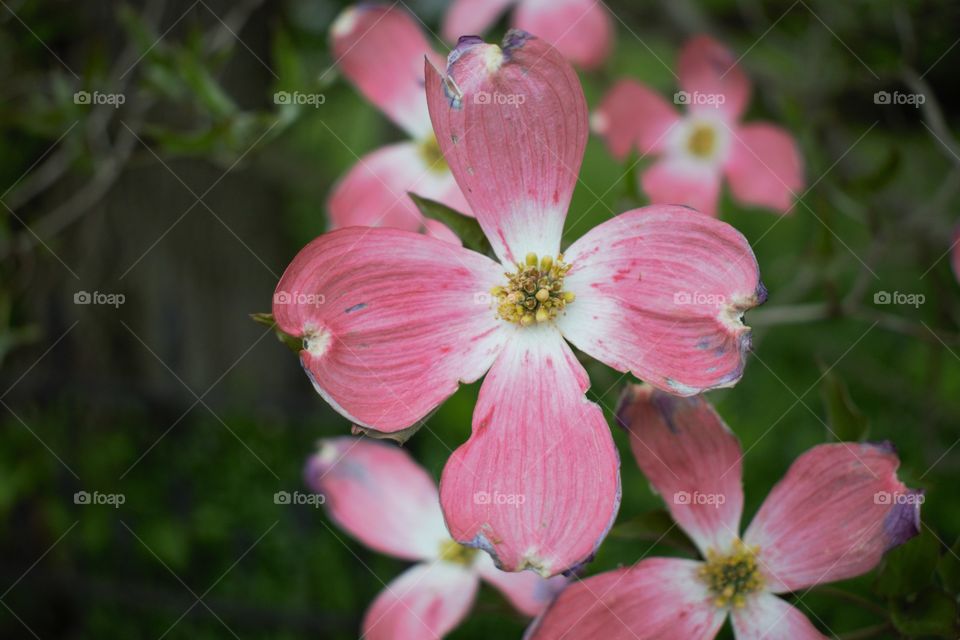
x,y
582,30
832,517
392,322
697,149
381,50
383,498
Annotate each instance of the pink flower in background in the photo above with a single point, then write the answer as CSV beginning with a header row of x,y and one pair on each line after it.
x,y
832,517
582,30
378,494
381,50
392,322
697,149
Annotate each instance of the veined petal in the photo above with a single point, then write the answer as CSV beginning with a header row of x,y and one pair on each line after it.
x,y
537,484
512,124
685,182
374,192
472,17
525,590
834,514
391,321
657,598
634,115
581,30
660,291
381,50
377,493
764,166
708,68
691,458
425,601
767,617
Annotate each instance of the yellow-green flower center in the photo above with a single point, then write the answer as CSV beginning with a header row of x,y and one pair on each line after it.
x,y
732,577
456,553
432,156
534,293
702,141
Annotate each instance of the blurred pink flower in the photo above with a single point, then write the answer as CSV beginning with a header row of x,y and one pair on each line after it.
x,y
581,30
393,322
378,494
381,51
760,160
832,517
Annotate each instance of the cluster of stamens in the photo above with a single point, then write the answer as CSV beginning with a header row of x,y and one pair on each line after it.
x,y
432,155
732,577
702,141
534,294
451,551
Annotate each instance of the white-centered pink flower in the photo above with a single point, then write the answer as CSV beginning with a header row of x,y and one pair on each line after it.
x,y
832,517
377,493
697,148
581,30
392,322
380,50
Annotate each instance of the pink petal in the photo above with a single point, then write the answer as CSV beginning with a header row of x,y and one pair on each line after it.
x,y
426,601
392,321
377,493
582,30
471,17
673,180
764,166
381,50
658,598
660,292
767,617
633,115
708,68
537,484
834,514
691,458
374,192
512,124
525,590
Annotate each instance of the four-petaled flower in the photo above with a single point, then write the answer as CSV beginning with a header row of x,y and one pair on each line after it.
x,y
581,30
834,514
760,160
381,51
382,497
659,292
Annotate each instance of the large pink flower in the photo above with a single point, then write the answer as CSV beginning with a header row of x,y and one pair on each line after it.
x,y
393,321
834,514
381,51
760,160
582,30
384,499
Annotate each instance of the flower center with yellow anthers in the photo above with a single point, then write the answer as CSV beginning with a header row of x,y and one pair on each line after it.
x,y
534,294
432,156
732,577
456,553
702,141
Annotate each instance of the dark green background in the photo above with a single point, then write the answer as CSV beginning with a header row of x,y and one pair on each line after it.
x,y
103,399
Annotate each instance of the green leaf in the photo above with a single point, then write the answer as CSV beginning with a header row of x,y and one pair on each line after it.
x,y
949,568
266,319
909,568
929,613
467,228
847,422
654,526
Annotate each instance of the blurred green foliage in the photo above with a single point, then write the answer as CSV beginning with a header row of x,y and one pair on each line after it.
x,y
107,399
